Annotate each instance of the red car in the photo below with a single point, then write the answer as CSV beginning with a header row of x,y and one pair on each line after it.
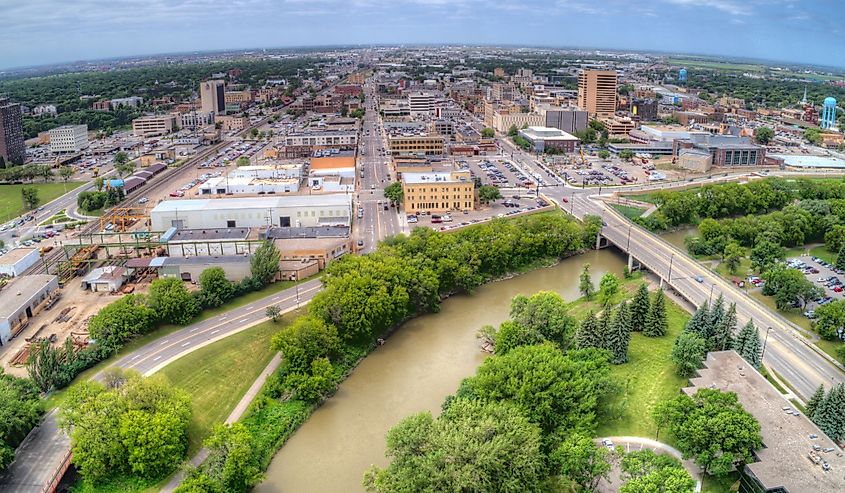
x,y
837,289
565,200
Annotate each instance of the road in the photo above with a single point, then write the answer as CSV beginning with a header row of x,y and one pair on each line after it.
x,y
376,223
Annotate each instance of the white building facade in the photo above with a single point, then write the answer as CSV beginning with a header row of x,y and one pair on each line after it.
x,y
69,138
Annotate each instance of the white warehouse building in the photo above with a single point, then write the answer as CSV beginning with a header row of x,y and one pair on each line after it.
x,y
289,211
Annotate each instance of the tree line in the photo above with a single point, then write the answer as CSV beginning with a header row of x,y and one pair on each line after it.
x,y
20,412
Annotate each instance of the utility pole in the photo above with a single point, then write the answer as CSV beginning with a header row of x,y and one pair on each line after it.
x,y
765,340
671,260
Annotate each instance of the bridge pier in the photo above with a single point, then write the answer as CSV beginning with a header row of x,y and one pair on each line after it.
x,y
633,264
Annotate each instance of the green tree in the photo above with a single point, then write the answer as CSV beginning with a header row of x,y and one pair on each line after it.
x,y
645,471
829,318
428,454
626,154
608,288
657,324
264,263
121,158
487,133
828,415
815,400
547,314
273,312
712,428
699,323
603,154
639,308
513,131
233,458
765,253
618,335
723,331
305,340
20,412
580,460
171,301
215,288
394,192
512,334
99,182
764,135
733,255
586,286
242,161
121,320
813,136
30,198
253,132
747,344
688,353
43,364
789,287
840,258
488,193
314,385
588,334
66,172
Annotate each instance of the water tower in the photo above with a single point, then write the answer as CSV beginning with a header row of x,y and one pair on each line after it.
x,y
828,119
682,75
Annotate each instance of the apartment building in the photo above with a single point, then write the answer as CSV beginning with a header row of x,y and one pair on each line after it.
x,y
502,92
153,125
438,192
213,97
195,119
427,145
237,97
12,146
69,138
420,103
618,126
130,102
597,91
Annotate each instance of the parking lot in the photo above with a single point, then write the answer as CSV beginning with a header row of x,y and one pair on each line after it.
x,y
457,219
822,274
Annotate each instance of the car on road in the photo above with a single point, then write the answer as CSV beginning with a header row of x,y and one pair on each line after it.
x,y
699,279
360,243
608,443
143,200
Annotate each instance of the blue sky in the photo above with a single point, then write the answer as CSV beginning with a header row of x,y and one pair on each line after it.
x,y
46,31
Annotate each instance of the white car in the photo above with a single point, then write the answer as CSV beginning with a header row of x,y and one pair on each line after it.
x,y
143,200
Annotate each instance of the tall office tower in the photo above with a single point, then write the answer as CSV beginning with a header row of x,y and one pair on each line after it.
x,y
213,96
597,92
12,146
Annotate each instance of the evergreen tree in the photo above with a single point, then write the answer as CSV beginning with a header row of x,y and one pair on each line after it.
x,y
836,401
697,324
825,415
619,335
723,333
587,335
656,324
639,308
748,344
815,400
586,286
603,328
717,315
840,258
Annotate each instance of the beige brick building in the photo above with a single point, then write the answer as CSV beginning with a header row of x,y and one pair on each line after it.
x,y
438,192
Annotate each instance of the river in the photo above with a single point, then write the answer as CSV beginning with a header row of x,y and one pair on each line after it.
x,y
419,365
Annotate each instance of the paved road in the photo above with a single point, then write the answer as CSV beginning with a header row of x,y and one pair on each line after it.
x,y
633,444
377,223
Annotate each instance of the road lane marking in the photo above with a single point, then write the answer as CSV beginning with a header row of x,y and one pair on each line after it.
x,y
215,331
157,358
186,344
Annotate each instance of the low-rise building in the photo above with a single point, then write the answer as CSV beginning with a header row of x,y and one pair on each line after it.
x,y
544,138
14,262
22,299
726,150
618,126
438,192
45,109
233,122
427,145
108,279
69,138
130,102
153,125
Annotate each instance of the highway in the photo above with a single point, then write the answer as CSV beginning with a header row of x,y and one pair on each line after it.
x,y
376,223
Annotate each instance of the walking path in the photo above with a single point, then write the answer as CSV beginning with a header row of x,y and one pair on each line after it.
x,y
631,444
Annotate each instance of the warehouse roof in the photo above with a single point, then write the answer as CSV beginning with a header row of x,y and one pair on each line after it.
x,y
19,291
15,255
262,203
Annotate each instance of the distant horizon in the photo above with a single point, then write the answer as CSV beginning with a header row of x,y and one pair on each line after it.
x,y
53,32
243,50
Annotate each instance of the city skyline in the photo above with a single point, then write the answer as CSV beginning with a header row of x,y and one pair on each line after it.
x,y
54,32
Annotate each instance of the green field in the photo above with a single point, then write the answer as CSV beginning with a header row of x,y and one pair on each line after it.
x,y
11,204
716,65
647,378
218,375
628,211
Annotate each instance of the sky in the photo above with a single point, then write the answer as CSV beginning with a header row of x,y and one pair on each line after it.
x,y
37,32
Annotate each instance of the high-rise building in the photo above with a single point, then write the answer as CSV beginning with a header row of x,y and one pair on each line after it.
x,y
502,92
597,91
568,120
69,138
828,119
12,146
213,96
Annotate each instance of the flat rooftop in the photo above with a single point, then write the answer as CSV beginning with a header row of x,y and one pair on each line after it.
x,y
210,234
14,255
547,133
20,290
433,177
264,203
278,233
784,461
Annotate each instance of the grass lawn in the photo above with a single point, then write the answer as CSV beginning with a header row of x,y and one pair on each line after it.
x,y
218,375
713,484
11,204
651,198
823,253
647,378
628,211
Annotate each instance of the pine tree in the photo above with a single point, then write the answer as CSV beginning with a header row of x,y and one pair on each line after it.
x,y
717,314
748,344
697,324
724,332
840,258
639,308
619,335
825,416
587,334
813,403
656,324
836,398
602,329
586,286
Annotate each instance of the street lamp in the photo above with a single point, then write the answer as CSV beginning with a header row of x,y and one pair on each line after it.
x,y
765,340
296,285
710,299
671,261
628,246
